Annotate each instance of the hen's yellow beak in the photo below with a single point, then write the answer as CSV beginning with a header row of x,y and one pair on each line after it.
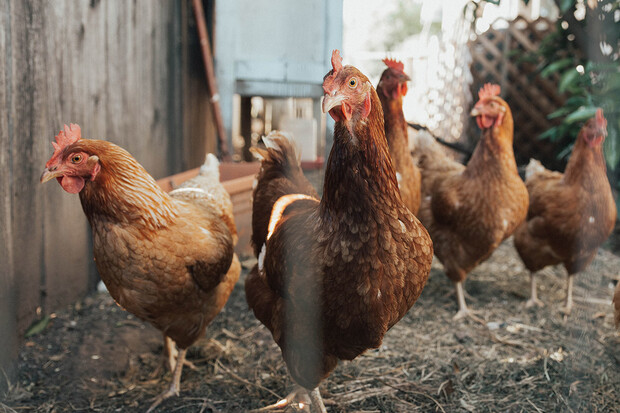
x,y
331,101
48,175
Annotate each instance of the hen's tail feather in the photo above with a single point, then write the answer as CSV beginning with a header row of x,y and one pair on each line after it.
x,y
280,175
430,155
533,168
211,166
426,147
280,149
205,191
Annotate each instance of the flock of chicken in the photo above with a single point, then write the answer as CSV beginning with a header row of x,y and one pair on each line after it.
x,y
334,273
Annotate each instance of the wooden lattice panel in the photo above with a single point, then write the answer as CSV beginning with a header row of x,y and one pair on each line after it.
x,y
497,57
447,96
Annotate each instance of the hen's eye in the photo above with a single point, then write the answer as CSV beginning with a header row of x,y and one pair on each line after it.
x,y
76,158
352,82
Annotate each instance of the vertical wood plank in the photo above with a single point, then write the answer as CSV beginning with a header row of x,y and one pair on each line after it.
x,y
199,129
28,120
66,238
8,302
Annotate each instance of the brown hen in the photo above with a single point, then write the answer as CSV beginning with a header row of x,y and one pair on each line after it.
x,y
335,274
391,89
570,214
469,210
166,258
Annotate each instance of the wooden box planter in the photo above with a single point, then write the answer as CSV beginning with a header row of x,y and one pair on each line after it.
x,y
237,179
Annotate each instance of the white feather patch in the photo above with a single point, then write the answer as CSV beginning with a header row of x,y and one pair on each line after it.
x,y
180,190
261,257
211,165
280,206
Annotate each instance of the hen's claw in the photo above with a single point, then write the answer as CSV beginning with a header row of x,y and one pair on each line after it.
x,y
157,400
461,314
566,310
305,400
534,302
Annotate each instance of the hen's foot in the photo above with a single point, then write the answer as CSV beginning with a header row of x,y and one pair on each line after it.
x,y
467,313
566,310
298,397
175,383
534,302
461,314
190,365
157,400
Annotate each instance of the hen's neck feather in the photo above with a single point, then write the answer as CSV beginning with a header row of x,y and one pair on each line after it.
x,y
124,192
494,153
395,128
359,170
586,165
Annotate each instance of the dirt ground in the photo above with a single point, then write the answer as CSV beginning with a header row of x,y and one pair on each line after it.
x,y
93,356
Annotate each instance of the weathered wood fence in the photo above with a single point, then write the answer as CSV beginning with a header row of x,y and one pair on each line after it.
x,y
127,71
498,57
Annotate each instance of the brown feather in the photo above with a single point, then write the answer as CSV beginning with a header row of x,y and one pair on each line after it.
x,y
397,138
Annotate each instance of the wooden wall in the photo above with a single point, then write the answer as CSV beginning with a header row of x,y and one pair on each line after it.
x,y
126,71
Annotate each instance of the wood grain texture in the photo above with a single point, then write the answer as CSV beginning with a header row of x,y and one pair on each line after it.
x,y
8,342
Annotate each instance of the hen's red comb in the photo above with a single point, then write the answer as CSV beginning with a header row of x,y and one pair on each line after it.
x,y
328,81
601,122
66,137
488,91
336,60
394,64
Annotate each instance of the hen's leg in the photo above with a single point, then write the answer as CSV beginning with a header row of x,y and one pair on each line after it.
x,y
170,349
175,384
171,353
533,301
317,401
460,296
568,306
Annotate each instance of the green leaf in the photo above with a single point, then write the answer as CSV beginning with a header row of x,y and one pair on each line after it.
x,y
556,66
580,115
560,112
576,101
38,326
568,79
548,134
